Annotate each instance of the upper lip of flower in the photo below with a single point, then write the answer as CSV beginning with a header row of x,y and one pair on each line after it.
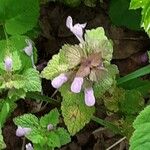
x,y
77,29
29,48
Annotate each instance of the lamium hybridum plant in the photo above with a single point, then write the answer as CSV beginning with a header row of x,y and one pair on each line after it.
x,y
82,73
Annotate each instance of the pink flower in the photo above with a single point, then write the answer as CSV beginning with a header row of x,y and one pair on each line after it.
x,y
29,146
22,131
58,81
89,97
77,29
28,49
77,84
8,63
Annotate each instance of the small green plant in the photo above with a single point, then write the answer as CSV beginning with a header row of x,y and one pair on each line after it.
x,y
44,132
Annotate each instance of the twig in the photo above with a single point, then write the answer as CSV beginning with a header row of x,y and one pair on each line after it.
x,y
23,143
98,130
54,93
109,148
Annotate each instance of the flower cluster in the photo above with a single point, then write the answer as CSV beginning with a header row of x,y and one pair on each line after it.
x,y
78,81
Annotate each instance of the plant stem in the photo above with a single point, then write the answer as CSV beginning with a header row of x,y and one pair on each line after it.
x,y
23,143
122,139
107,124
6,36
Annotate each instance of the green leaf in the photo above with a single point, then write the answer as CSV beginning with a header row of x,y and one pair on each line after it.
x,y
16,94
36,136
33,81
72,3
39,147
64,136
27,120
53,140
17,82
138,73
135,4
55,67
2,143
72,55
90,3
112,98
137,84
76,114
140,138
128,18
144,4
97,42
51,118
133,103
40,97
146,18
16,61
21,19
106,82
2,34
7,106
4,113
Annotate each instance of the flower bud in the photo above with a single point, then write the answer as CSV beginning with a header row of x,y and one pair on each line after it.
x,y
22,131
50,127
29,146
58,81
28,49
77,84
89,97
8,63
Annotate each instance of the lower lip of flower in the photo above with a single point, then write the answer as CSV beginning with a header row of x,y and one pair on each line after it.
x,y
58,81
89,97
77,84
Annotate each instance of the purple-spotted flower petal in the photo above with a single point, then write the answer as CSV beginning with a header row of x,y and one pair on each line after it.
x,y
77,29
29,146
8,63
50,127
29,48
89,97
77,84
22,131
58,81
